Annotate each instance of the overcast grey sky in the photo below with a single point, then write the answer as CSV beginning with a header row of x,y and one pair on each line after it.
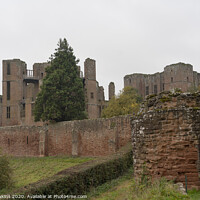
x,y
123,36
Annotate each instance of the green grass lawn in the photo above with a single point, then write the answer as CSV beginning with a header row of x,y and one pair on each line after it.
x,y
30,170
117,192
119,188
194,195
122,188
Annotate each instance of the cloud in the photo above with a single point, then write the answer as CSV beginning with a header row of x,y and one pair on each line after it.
x,y
123,36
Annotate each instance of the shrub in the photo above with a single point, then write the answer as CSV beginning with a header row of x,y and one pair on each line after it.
x,y
5,172
127,102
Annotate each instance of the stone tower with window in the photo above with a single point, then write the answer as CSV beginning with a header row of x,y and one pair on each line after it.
x,y
91,88
20,88
94,94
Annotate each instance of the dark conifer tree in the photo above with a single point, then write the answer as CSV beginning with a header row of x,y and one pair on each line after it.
x,y
62,94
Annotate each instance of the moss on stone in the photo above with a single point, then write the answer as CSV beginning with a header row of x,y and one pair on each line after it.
x,y
151,96
112,125
196,108
165,99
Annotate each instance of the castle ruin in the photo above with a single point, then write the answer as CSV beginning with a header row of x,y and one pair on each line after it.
x,y
21,86
165,134
178,75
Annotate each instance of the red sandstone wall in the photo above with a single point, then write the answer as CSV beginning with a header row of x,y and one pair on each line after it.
x,y
59,139
101,143
95,137
20,141
165,139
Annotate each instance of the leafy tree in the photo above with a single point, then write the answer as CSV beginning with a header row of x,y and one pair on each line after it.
x,y
62,95
5,172
125,103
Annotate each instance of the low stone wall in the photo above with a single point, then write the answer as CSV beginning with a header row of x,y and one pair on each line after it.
x,y
95,137
166,136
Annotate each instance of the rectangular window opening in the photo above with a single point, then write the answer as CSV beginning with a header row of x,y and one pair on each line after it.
x,y
172,80
8,68
155,89
8,90
23,110
92,95
8,112
147,90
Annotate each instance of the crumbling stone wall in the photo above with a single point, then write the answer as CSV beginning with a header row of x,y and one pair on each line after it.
x,y
166,136
94,137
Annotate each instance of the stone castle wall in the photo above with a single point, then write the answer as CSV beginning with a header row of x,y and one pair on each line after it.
x,y
97,137
166,138
179,75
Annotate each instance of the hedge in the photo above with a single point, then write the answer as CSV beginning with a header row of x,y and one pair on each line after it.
x,y
80,179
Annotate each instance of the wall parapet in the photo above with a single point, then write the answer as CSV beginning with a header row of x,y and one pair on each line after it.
x,y
171,100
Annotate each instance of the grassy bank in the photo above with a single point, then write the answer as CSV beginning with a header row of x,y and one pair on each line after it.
x,y
30,170
125,188
194,194
119,188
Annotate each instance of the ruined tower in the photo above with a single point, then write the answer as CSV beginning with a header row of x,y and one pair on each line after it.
x,y
178,75
91,88
94,94
20,88
111,90
13,105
